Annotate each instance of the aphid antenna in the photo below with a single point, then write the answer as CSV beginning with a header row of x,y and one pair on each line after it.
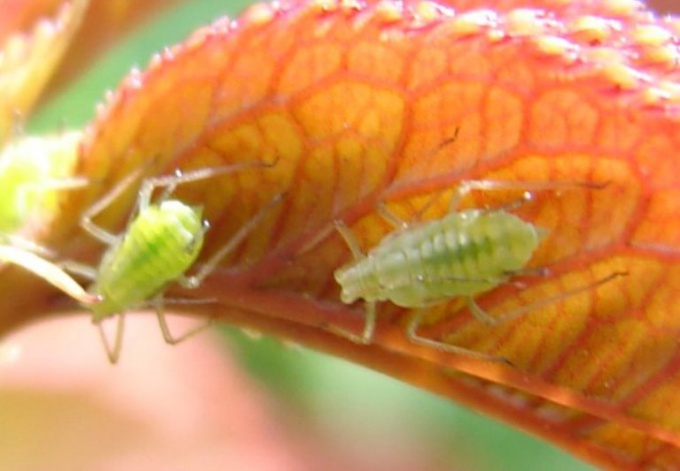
x,y
27,244
467,186
171,182
56,184
488,185
515,204
80,269
48,271
146,193
350,239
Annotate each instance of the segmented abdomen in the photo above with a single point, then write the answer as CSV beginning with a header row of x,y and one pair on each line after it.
x,y
160,245
464,253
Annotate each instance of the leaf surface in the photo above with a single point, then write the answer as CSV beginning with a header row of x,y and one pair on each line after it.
x,y
359,103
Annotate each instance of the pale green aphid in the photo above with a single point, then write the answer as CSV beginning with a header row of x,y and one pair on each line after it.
x,y
30,177
160,244
465,253
31,174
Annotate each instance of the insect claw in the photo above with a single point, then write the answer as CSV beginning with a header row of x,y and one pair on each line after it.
x,y
351,336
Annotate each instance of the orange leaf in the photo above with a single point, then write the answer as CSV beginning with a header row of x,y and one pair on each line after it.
x,y
356,103
106,22
28,57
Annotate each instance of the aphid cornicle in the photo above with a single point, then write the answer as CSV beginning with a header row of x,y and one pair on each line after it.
x,y
160,244
465,253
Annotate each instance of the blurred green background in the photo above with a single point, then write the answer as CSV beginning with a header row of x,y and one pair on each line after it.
x,y
349,404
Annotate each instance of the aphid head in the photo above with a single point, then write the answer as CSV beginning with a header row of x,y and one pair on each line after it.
x,y
349,282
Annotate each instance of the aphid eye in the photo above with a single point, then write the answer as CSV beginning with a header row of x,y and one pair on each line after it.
x,y
206,226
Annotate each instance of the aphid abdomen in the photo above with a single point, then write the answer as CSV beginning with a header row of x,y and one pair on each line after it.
x,y
470,252
391,271
160,245
462,254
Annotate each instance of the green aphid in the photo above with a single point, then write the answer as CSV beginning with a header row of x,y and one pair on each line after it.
x,y
463,254
31,175
160,244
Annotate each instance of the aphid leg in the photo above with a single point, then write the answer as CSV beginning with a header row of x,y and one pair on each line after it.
x,y
479,313
366,336
86,219
392,218
165,329
208,267
113,352
370,315
26,244
194,281
412,334
519,312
